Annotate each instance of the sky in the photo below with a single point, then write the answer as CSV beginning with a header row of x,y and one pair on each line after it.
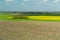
x,y
30,5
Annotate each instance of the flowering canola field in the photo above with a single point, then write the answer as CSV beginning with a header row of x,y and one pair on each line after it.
x,y
44,17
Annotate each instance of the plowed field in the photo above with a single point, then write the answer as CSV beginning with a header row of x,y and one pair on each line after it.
x,y
29,30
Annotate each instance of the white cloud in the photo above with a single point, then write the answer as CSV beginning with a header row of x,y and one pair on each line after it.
x,y
45,0
56,1
8,1
25,0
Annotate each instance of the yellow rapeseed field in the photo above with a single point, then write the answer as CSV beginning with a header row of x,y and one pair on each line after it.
x,y
42,17
45,17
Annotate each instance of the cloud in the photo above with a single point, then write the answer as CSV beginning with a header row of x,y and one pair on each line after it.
x,y
45,0
25,0
56,1
8,1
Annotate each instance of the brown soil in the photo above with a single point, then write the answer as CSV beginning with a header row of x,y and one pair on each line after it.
x,y
29,30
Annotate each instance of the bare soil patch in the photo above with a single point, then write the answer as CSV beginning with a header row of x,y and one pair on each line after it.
x,y
29,30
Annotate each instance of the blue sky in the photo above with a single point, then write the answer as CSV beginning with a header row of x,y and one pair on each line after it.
x,y
30,5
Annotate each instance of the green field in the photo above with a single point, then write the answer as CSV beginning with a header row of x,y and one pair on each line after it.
x,y
34,17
